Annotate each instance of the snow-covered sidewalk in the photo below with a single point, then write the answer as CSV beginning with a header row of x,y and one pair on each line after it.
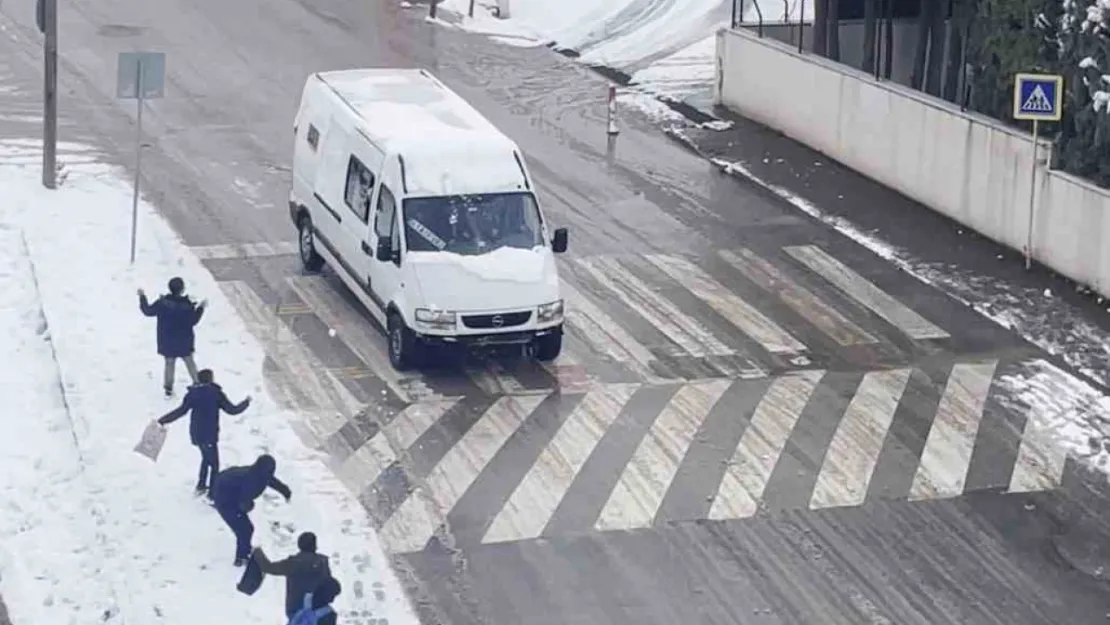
x,y
90,530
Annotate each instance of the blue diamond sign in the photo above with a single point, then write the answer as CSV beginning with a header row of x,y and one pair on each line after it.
x,y
1038,97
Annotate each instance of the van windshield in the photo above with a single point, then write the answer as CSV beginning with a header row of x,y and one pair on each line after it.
x,y
472,224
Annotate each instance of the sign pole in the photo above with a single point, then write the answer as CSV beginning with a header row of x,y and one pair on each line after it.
x,y
1037,98
50,94
138,159
1032,198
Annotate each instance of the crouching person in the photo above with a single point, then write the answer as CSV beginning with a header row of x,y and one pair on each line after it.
x,y
233,493
316,606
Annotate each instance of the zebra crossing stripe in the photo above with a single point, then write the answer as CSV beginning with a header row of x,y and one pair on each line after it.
x,y
535,499
803,302
329,403
605,334
364,466
947,455
414,523
363,338
758,451
685,331
636,498
851,456
229,251
865,292
730,306
1042,454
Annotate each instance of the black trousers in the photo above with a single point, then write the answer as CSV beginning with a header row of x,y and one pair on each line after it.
x,y
239,524
209,465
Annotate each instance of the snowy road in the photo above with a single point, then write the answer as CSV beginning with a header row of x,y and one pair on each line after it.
x,y
758,420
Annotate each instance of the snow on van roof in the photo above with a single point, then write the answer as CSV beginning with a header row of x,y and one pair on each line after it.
x,y
426,106
448,146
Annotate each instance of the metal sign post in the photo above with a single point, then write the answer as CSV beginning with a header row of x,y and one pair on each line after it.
x,y
46,18
1037,98
140,76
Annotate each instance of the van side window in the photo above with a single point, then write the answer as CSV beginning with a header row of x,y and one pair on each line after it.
x,y
313,137
360,187
387,211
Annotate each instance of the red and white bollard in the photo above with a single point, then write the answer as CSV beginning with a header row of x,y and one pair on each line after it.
x,y
613,130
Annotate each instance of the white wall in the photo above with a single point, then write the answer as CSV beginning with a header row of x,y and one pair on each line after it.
x,y
963,165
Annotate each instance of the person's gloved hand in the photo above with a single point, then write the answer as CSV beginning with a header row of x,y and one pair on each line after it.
x,y
248,506
289,497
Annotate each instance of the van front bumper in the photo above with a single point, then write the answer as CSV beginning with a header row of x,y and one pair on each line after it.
x,y
495,339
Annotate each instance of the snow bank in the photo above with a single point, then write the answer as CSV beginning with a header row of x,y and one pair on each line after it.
x,y
46,524
94,532
1069,412
666,46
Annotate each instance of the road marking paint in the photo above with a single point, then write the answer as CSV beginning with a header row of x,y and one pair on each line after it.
x,y
413,523
366,341
635,500
851,456
807,305
293,309
730,306
762,444
947,455
368,462
229,251
684,330
536,497
605,334
1041,458
331,402
865,292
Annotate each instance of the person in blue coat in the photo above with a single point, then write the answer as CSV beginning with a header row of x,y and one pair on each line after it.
x,y
177,315
233,493
204,400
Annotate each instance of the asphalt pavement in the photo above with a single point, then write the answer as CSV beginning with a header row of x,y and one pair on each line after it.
x,y
757,420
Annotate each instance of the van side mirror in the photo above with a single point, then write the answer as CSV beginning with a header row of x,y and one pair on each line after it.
x,y
385,251
559,242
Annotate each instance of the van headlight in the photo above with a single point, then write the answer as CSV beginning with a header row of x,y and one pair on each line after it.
x,y
549,312
439,319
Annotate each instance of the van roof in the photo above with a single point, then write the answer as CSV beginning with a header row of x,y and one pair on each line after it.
x,y
428,124
417,105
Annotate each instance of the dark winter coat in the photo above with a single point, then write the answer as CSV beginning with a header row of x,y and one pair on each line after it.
x,y
320,600
302,572
176,314
204,401
236,488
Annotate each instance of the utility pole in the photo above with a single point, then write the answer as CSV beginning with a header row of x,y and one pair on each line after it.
x,y
48,13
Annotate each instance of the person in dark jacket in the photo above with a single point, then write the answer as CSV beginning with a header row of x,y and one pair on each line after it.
x,y
303,572
177,315
233,493
204,400
322,597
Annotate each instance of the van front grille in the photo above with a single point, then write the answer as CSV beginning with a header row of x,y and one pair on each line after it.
x,y
501,320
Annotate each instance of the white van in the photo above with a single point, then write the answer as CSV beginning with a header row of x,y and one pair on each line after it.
x,y
426,211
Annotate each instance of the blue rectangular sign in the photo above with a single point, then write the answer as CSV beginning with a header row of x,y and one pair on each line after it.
x,y
1038,97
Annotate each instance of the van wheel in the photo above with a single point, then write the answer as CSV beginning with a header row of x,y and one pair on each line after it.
x,y
310,260
403,346
549,346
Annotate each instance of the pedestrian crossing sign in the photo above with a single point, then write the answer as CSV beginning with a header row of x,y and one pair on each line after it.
x,y
1038,97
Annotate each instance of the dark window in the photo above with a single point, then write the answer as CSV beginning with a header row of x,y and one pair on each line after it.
x,y
360,187
387,210
313,137
471,225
